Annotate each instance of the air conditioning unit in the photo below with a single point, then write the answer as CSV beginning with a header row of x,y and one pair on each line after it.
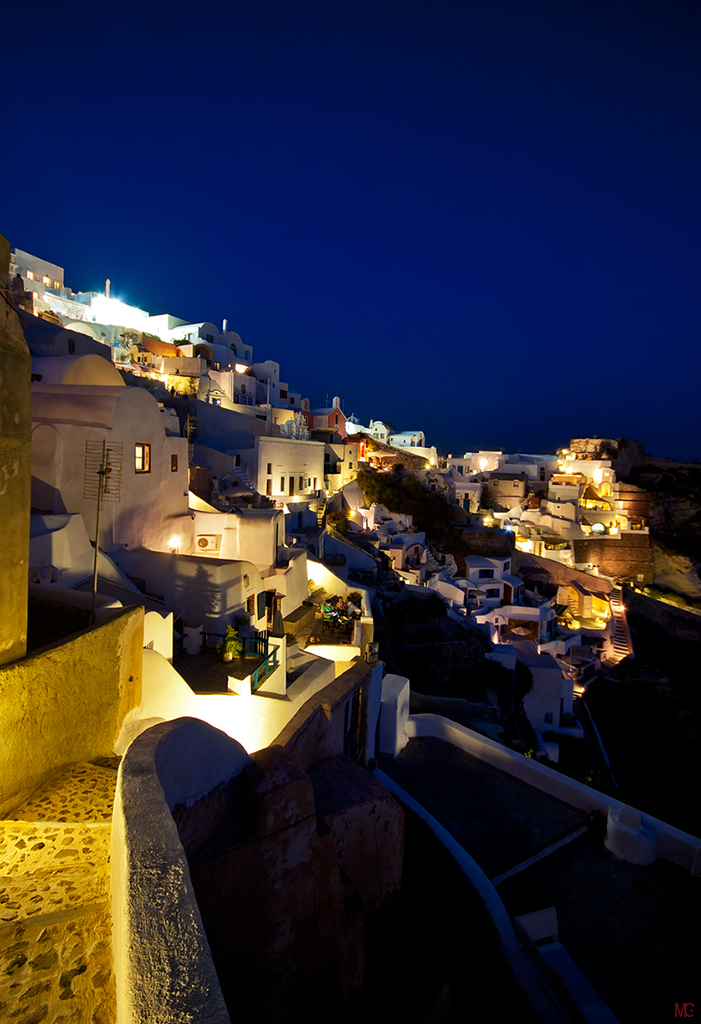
x,y
208,542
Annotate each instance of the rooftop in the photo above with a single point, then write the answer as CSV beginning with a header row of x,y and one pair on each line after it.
x,y
634,931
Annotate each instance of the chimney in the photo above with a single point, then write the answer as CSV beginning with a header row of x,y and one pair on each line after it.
x,y
337,403
224,326
107,287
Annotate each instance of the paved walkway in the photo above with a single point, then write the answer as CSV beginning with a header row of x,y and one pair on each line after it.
x,y
55,915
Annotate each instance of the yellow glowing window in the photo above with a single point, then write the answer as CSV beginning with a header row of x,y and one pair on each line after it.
x,y
46,280
30,275
57,284
142,458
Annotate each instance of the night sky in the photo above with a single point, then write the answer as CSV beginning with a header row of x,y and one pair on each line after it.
x,y
481,219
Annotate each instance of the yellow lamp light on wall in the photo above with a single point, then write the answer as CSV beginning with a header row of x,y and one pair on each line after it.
x,y
174,545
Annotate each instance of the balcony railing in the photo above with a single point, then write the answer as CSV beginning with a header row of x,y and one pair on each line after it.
x,y
264,670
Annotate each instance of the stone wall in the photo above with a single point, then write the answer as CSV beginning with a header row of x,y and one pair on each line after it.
x,y
15,470
627,557
67,702
241,885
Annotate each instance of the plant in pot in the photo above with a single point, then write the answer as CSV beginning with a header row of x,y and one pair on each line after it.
x,y
231,647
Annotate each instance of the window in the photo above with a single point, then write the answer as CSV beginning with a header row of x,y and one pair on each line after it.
x,y
327,457
283,392
210,338
292,401
174,463
268,486
516,483
142,458
486,574
350,465
30,275
336,419
57,285
237,460
301,483
270,468
46,280
507,566
251,604
282,485
493,592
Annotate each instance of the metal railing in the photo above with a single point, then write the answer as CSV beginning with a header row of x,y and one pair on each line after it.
x,y
264,670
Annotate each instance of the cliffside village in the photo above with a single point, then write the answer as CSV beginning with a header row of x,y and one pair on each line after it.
x,y
199,674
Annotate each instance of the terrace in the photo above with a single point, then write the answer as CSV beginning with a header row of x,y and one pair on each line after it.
x,y
206,673
633,931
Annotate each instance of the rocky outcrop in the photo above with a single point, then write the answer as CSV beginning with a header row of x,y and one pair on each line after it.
x,y
677,572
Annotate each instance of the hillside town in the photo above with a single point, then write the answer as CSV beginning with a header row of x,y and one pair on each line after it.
x,y
253,646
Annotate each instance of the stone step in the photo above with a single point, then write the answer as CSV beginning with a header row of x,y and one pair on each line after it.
x,y
55,910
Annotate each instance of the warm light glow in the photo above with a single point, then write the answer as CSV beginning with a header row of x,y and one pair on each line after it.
x,y
483,464
240,367
524,544
598,475
174,542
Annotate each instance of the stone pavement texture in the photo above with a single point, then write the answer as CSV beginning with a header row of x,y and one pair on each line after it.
x,y
55,919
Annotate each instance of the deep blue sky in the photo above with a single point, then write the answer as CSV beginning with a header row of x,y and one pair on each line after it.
x,y
478,218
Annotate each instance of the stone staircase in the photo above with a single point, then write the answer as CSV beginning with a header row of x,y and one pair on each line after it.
x,y
621,643
55,914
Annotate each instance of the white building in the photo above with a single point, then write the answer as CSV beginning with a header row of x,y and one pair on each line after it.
x,y
283,469
146,498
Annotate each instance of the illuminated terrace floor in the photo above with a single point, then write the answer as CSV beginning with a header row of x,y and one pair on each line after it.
x,y
55,918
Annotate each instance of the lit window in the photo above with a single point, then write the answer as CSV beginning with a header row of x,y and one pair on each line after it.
x,y
30,275
142,458
57,285
46,280
174,463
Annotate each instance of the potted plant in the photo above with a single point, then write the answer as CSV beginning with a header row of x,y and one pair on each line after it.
x,y
231,647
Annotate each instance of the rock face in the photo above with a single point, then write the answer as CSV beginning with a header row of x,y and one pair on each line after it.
x,y
676,572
